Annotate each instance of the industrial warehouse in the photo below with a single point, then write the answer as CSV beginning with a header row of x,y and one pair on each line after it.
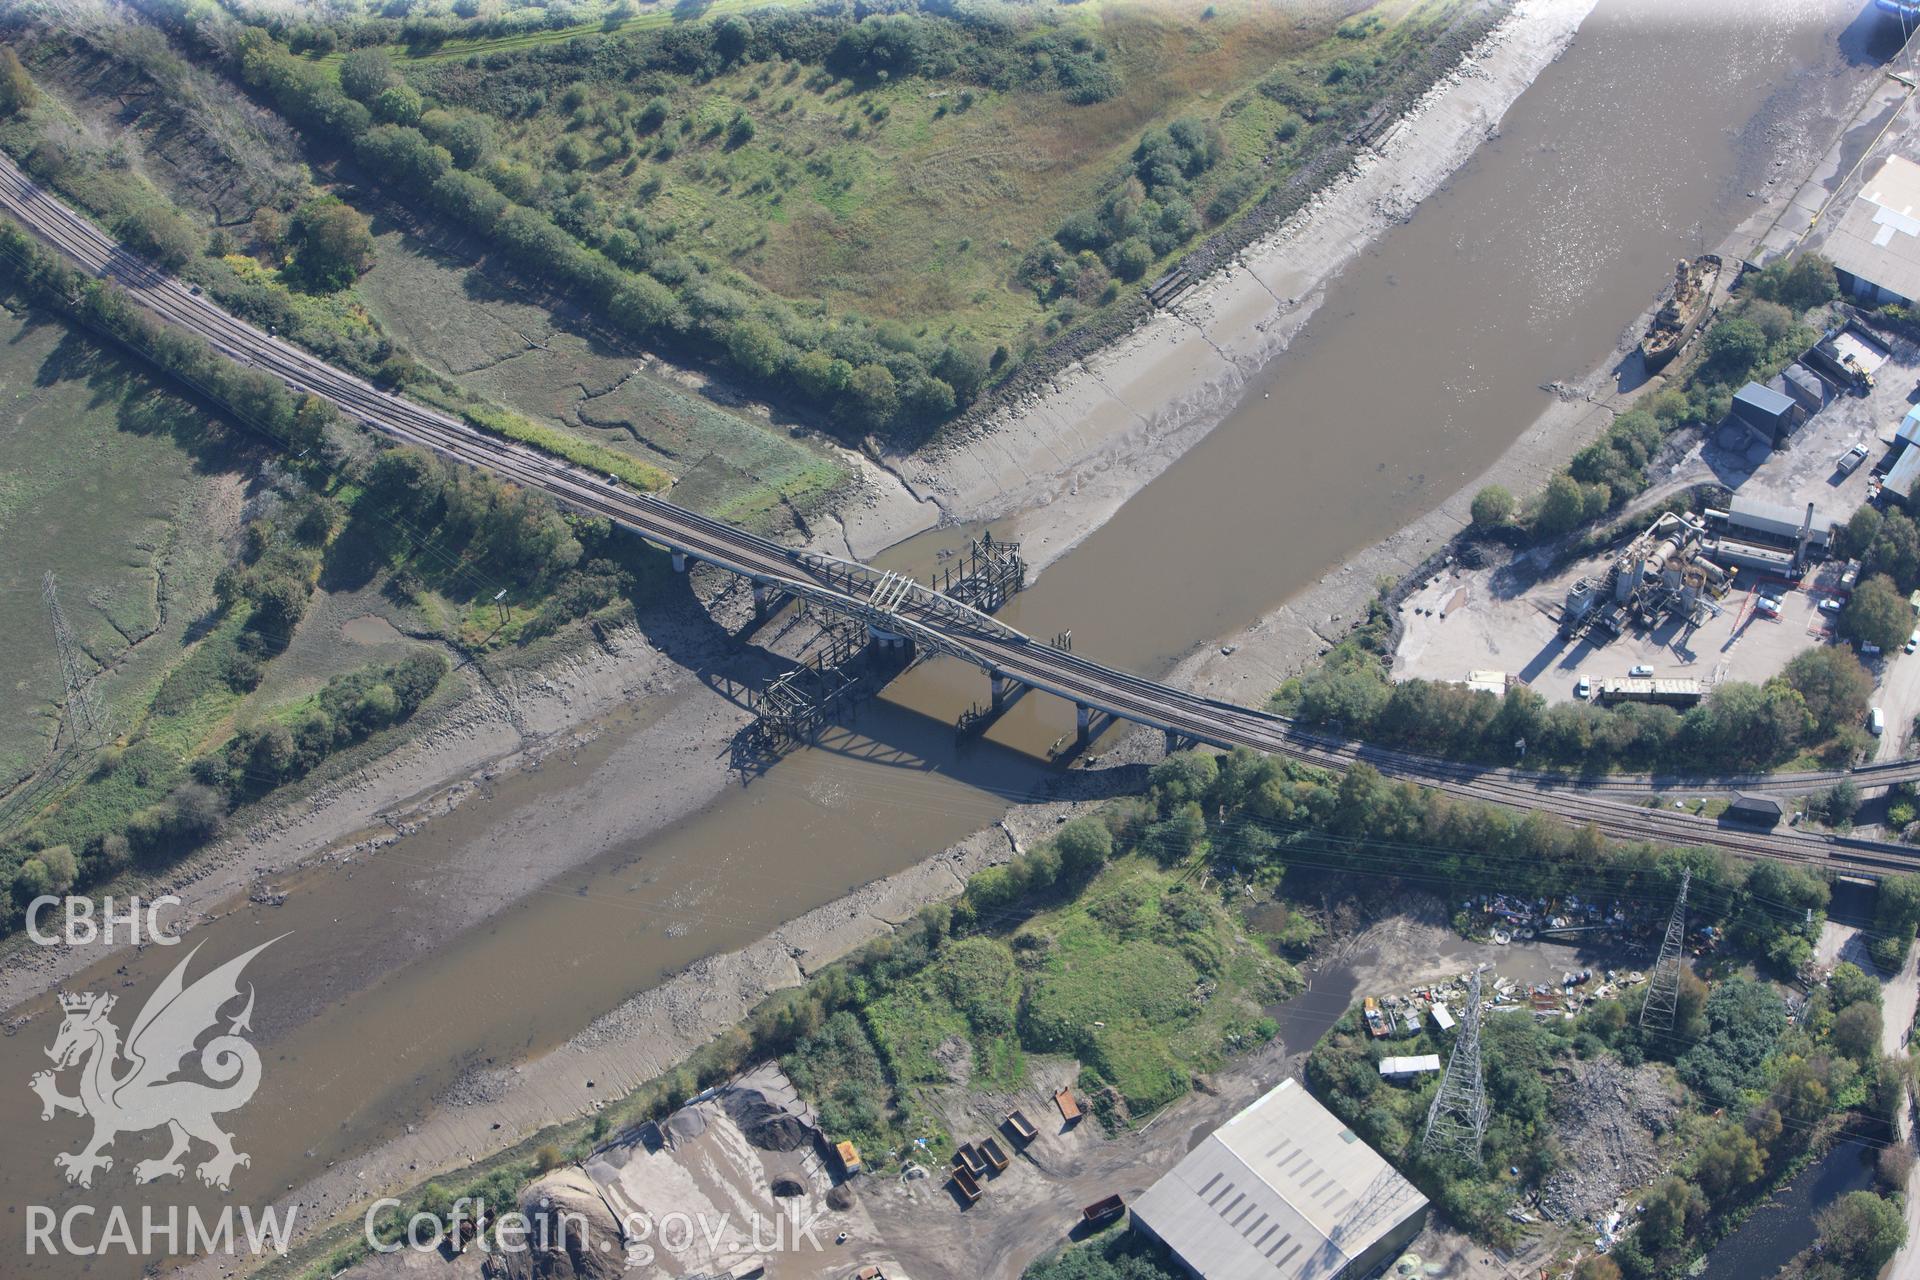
x,y
1285,1190
1876,247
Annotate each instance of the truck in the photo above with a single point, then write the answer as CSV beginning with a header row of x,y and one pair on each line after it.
x,y
1101,1212
1847,463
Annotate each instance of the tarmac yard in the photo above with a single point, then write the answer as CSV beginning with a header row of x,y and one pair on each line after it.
x,y
1505,619
1498,620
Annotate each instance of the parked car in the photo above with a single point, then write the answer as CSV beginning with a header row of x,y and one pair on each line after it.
x,y
1642,670
1851,459
1913,642
1767,605
1869,650
1876,721
1832,604
1584,687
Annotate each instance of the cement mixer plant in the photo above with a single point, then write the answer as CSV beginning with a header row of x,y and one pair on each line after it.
x,y
1683,565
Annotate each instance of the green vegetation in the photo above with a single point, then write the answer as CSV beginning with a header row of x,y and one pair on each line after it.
x,y
1877,614
292,287
1127,967
447,538
870,215
177,765
422,316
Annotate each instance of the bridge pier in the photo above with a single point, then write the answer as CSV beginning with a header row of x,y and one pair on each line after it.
x,y
886,639
1082,724
1176,741
765,600
1005,689
679,562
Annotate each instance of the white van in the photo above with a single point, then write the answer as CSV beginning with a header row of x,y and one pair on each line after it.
x,y
1876,722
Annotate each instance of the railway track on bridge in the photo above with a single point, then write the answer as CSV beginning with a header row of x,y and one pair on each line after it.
x,y
943,624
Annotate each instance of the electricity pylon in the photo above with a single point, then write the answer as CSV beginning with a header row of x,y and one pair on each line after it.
x,y
1457,1120
88,721
1663,991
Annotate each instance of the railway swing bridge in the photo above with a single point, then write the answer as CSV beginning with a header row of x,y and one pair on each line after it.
x,y
957,621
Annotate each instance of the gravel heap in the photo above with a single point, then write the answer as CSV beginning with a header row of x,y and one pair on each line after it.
x,y
766,1125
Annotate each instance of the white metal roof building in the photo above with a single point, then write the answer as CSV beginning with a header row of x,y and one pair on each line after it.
x,y
1400,1068
1283,1191
1876,246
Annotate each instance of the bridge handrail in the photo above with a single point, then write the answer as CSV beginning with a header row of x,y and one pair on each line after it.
x,y
925,597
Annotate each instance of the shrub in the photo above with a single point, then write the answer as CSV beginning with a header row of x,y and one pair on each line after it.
x,y
1492,507
16,87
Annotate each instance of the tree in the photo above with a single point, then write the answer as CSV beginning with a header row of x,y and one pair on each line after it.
x,y
1856,1031
964,364
756,349
1492,507
16,86
1131,258
1842,802
397,104
1850,984
1597,1267
1084,844
1805,281
334,244
1877,613
62,868
1729,1161
1834,683
1896,907
875,394
1669,1206
468,140
1861,1232
1863,527
1563,505
1734,347
366,73
1896,550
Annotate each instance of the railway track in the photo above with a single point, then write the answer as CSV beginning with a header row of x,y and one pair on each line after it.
x,y
973,637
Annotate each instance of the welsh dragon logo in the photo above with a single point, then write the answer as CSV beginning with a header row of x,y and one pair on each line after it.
x,y
144,1093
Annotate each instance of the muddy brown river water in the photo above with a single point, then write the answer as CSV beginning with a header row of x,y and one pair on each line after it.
x,y
1637,147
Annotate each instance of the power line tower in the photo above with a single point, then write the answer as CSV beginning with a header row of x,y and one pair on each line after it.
x,y
1663,991
1457,1120
88,721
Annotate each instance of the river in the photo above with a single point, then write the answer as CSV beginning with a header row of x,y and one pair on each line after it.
x,y
1781,1228
1637,147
